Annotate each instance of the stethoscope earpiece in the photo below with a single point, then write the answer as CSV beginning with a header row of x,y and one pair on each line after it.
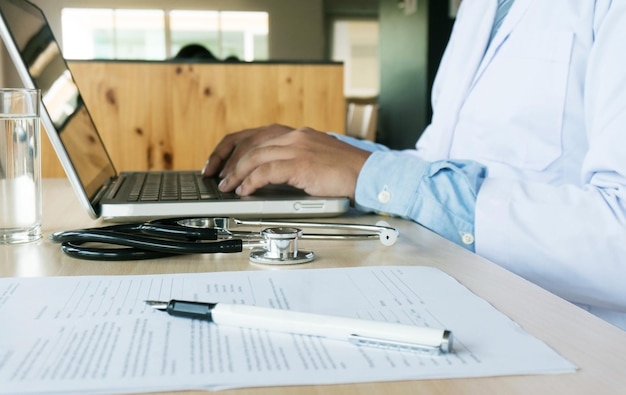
x,y
388,235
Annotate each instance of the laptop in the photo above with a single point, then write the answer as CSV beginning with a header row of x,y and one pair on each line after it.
x,y
100,188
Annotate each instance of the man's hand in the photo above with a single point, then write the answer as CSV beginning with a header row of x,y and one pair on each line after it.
x,y
319,164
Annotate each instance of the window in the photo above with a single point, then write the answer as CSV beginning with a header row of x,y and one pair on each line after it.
x,y
355,42
239,34
159,34
199,27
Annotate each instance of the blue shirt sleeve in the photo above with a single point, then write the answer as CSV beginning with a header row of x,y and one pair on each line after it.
x,y
362,144
440,195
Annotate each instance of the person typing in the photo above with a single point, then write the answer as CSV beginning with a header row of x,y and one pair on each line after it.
x,y
522,161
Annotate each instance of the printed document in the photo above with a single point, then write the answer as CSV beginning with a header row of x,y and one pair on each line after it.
x,y
88,334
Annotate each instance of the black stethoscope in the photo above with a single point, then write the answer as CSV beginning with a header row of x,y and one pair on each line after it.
x,y
277,243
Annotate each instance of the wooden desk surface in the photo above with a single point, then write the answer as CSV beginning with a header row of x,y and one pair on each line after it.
x,y
596,347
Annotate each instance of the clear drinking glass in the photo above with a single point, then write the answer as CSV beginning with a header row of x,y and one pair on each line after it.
x,y
20,166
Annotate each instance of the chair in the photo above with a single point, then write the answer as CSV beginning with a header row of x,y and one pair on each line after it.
x,y
361,120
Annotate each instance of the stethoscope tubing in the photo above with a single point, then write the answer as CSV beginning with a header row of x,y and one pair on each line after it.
x,y
136,246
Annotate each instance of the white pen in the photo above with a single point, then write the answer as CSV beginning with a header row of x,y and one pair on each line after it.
x,y
357,331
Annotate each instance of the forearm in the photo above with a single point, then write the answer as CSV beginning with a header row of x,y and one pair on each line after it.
x,y
567,239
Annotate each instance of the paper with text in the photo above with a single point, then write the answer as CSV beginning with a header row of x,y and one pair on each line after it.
x,y
96,334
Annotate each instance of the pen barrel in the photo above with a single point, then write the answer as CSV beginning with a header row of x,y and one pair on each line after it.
x,y
358,331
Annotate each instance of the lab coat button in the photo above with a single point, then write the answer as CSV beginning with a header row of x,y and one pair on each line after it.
x,y
467,238
384,196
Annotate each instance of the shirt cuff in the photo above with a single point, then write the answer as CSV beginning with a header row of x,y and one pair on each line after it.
x,y
388,182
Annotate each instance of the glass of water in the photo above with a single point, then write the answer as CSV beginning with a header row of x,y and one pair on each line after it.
x,y
20,166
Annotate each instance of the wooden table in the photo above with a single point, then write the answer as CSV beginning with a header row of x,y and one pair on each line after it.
x,y
596,347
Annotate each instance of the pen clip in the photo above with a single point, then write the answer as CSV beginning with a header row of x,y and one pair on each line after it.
x,y
396,345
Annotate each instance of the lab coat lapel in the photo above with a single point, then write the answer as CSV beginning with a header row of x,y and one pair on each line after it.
x,y
518,9
467,47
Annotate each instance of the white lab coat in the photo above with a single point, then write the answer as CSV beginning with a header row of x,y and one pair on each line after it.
x,y
544,108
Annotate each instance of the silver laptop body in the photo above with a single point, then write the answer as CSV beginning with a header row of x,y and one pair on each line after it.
x,y
100,188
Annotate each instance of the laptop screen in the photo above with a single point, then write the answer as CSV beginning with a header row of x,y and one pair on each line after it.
x,y
73,133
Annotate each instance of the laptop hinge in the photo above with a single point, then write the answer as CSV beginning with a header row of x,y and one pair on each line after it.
x,y
102,191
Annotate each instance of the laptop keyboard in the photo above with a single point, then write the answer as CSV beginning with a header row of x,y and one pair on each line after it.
x,y
173,186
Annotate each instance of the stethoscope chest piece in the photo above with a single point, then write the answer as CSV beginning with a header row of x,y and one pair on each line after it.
x,y
281,248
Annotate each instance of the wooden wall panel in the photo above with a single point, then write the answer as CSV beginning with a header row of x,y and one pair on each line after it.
x,y
171,115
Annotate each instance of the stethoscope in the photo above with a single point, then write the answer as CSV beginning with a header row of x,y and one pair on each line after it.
x,y
276,244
